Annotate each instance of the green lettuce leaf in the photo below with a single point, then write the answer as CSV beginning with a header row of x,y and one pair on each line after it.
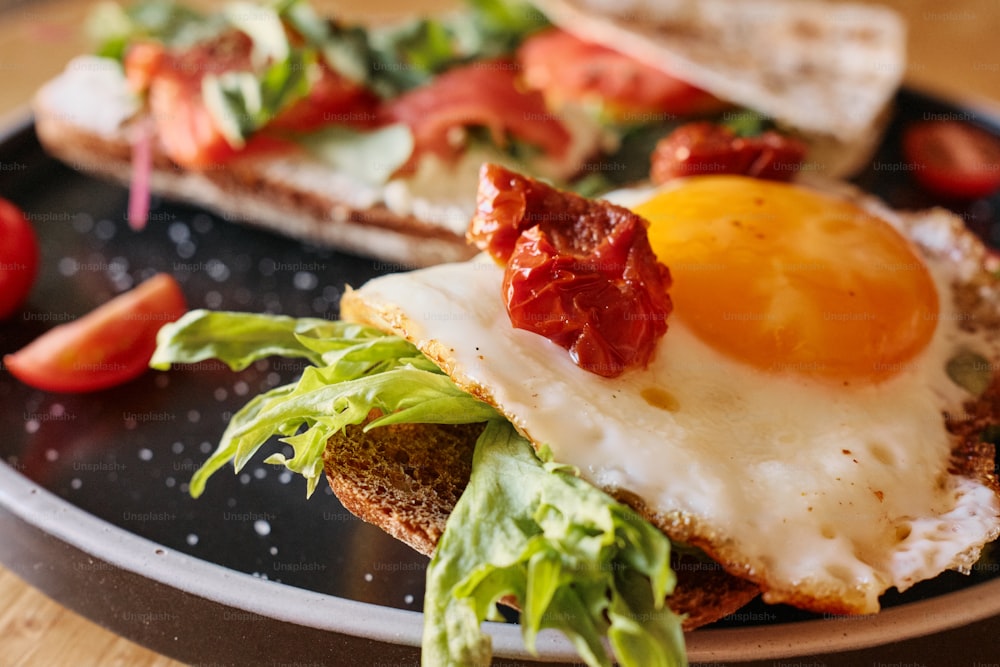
x,y
358,369
312,411
575,559
747,122
345,48
239,339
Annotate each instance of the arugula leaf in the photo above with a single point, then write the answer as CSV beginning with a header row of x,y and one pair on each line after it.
x,y
244,102
575,559
411,54
345,49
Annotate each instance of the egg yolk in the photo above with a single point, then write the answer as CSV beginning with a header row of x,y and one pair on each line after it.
x,y
790,280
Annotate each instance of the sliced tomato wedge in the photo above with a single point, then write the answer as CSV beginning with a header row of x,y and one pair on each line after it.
x,y
108,346
569,69
186,129
142,61
952,158
486,94
18,258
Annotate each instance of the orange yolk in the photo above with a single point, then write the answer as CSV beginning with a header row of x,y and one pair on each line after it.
x,y
790,280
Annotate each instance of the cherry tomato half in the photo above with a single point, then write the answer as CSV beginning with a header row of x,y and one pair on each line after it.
x,y
953,159
702,147
108,346
18,258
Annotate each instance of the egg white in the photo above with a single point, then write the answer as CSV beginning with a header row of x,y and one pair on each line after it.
x,y
825,495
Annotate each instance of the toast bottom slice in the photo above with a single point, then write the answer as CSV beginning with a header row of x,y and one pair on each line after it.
x,y
406,479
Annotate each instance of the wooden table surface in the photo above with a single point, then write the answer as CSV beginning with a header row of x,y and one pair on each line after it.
x,y
954,51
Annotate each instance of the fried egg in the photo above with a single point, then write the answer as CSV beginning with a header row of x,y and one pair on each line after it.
x,y
791,423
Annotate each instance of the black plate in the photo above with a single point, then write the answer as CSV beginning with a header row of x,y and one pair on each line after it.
x,y
93,495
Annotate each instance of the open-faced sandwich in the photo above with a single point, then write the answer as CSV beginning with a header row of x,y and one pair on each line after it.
x,y
369,138
628,417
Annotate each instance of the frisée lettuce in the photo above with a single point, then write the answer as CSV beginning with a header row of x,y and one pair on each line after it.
x,y
575,560
356,369
526,527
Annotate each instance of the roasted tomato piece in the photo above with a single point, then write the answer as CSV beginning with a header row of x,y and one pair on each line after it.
x,y
568,69
578,271
953,159
486,94
778,157
701,148
18,258
106,347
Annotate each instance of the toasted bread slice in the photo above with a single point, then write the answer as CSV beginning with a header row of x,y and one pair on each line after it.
x,y
406,479
293,195
825,71
823,68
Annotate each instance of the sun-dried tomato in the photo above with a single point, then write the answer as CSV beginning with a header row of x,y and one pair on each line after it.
x,y
580,272
701,148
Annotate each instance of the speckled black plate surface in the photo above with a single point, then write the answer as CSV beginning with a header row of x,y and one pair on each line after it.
x,y
94,507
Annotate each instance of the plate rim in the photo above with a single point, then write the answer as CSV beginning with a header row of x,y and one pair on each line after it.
x,y
123,549
59,518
